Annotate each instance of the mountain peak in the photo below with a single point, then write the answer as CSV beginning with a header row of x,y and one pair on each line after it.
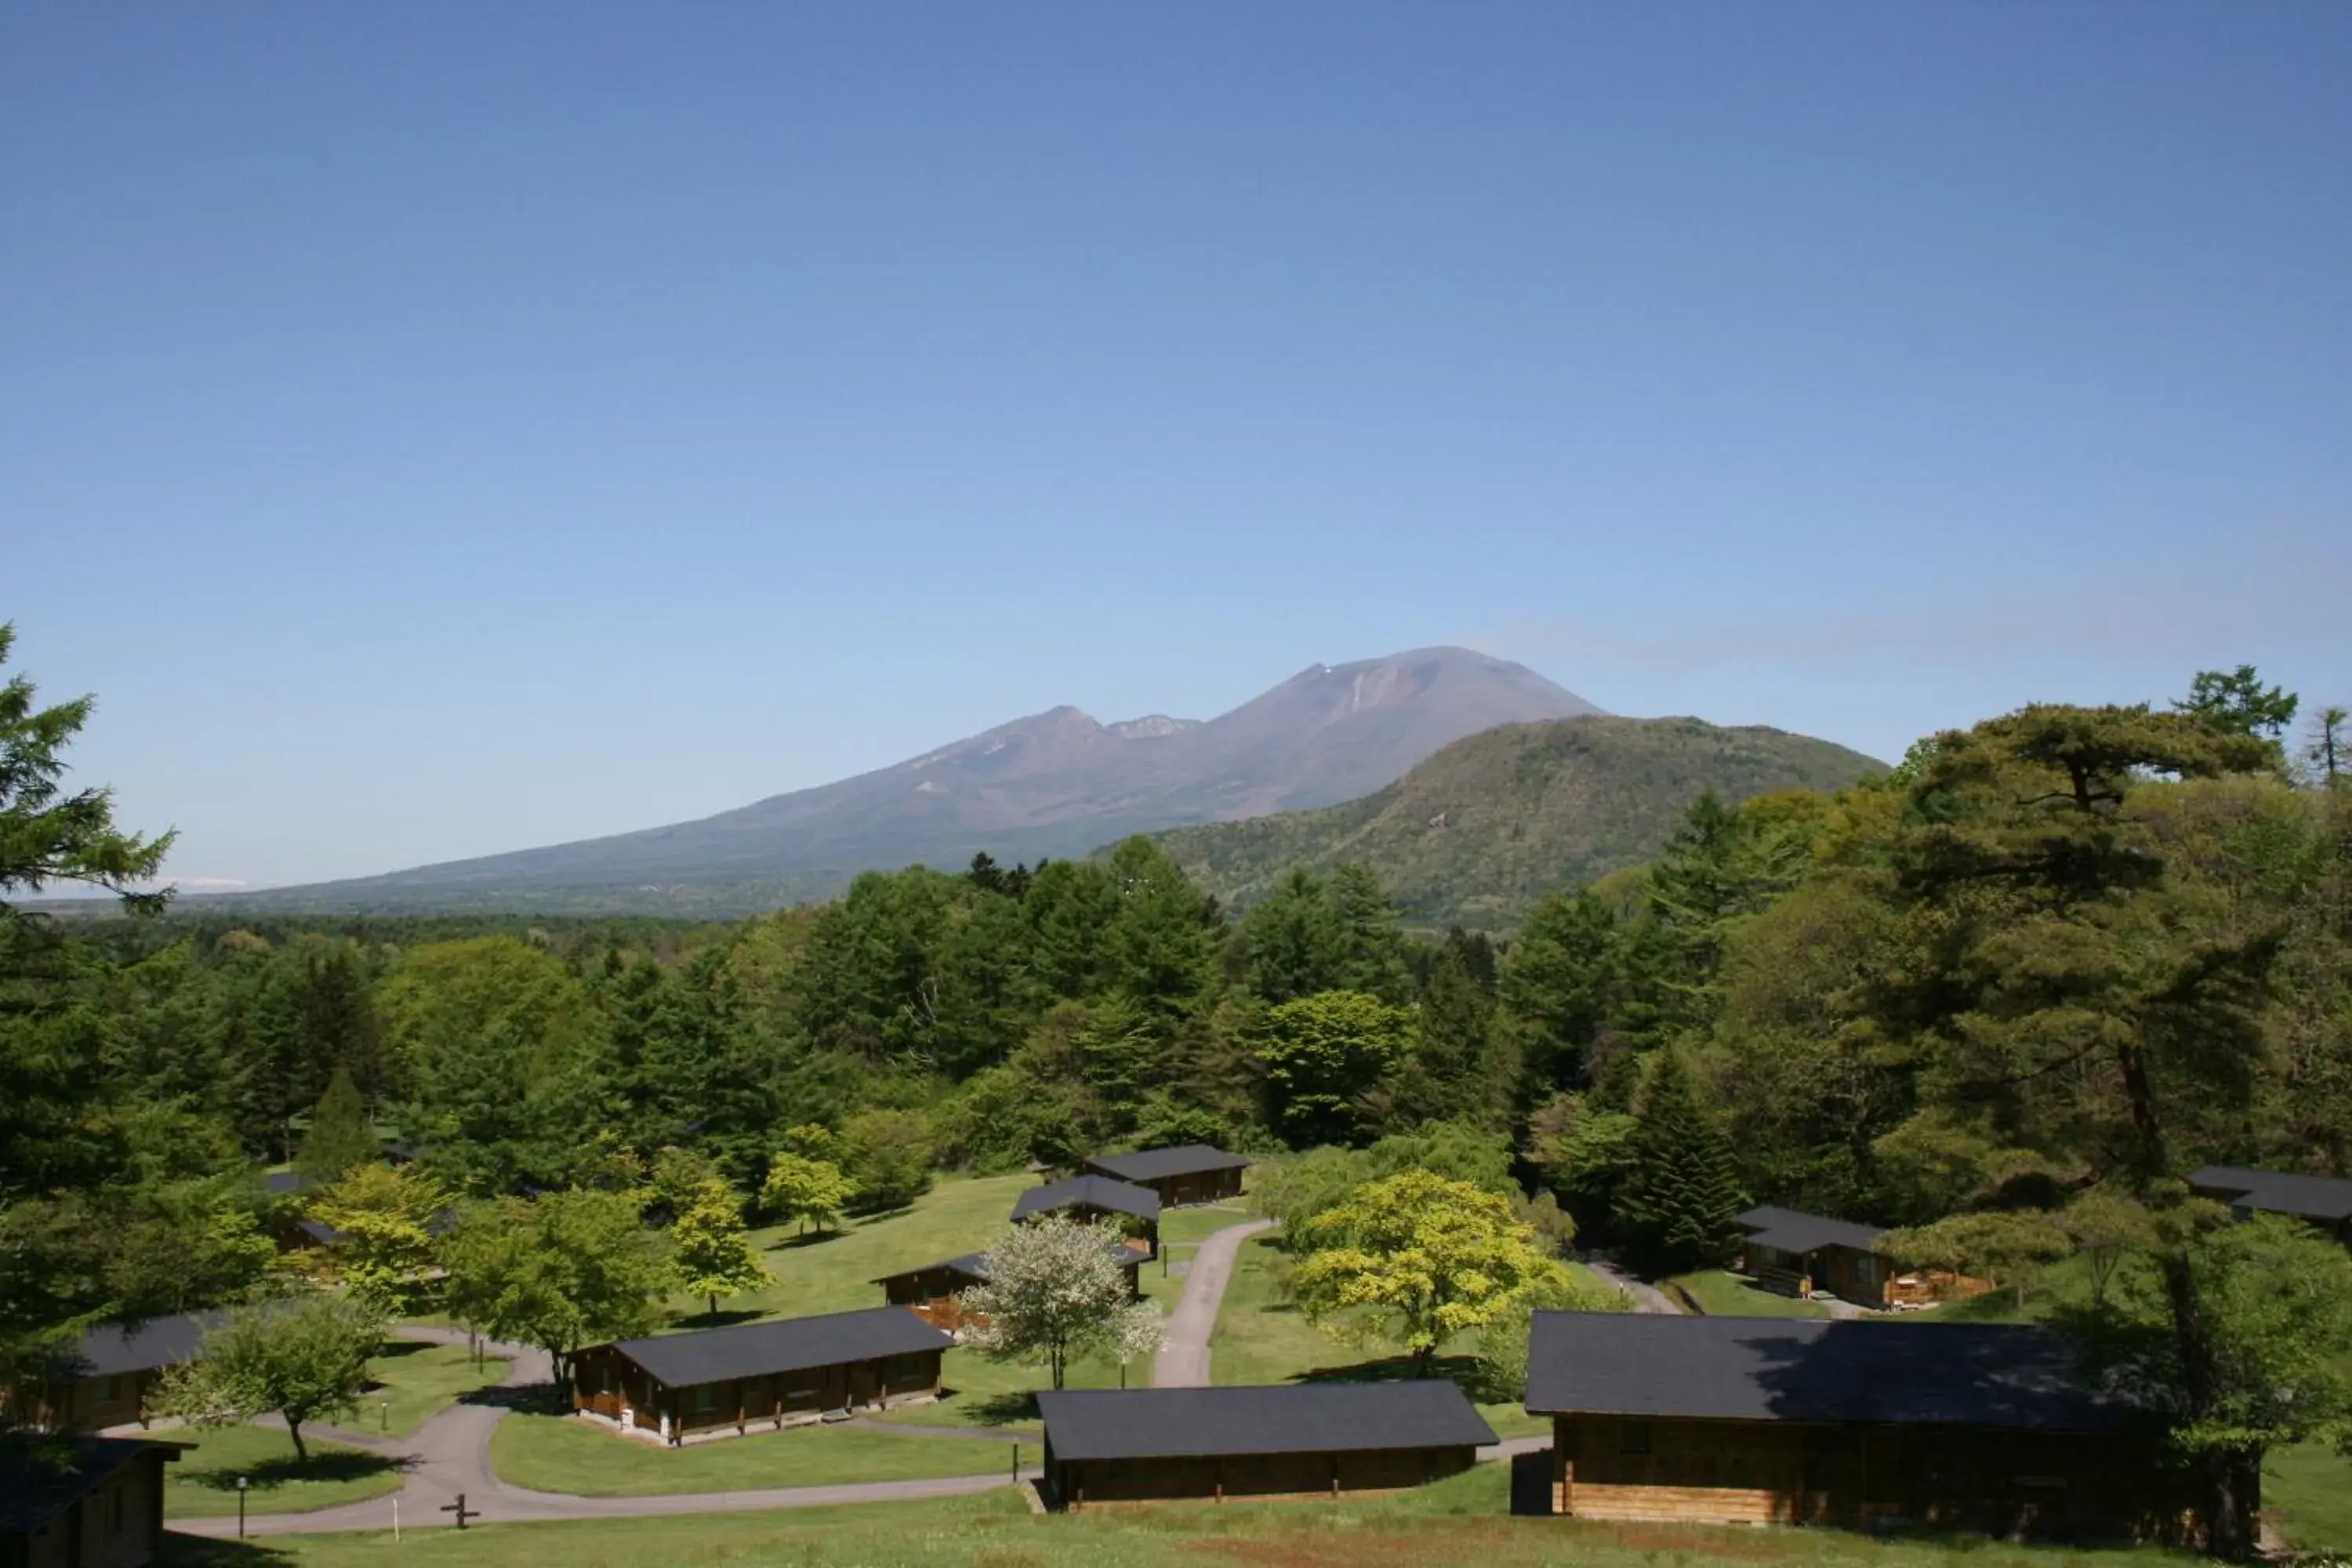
x,y
1055,783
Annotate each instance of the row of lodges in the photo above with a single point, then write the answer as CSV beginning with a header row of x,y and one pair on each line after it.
x,y
1958,1427
1798,1254
717,1383
1943,1426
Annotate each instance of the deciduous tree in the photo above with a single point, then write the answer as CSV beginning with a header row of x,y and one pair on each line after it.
x,y
385,1219
1055,1289
713,1256
302,1361
1418,1259
1323,1051
569,1270
806,1190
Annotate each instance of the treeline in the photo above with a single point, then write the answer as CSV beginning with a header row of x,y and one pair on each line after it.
x,y
2003,997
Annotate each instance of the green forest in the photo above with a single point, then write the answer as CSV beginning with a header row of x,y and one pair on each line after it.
x,y
2003,995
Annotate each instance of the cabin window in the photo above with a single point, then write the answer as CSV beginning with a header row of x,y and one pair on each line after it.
x,y
109,1389
705,1396
1633,1437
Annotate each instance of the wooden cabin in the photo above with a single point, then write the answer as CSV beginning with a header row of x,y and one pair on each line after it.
x,y
110,1373
1797,1254
1136,1210
1316,1439
930,1292
1967,1427
100,1507
2322,1201
1195,1173
723,1382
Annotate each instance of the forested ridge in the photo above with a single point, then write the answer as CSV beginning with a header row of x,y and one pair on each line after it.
x,y
1480,831
2003,997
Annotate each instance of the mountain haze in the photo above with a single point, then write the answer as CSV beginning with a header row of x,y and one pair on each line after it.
x,y
1488,824
1056,783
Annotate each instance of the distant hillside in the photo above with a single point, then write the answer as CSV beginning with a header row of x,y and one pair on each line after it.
x,y
1488,824
1054,783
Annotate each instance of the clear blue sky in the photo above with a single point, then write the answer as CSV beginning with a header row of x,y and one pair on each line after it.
x,y
434,429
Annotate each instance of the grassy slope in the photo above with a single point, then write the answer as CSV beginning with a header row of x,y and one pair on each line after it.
x,y
1527,808
202,1484
1725,1295
1259,1338
562,1454
1459,1520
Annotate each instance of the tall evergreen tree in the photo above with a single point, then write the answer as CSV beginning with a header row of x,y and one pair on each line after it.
x,y
1451,1073
1294,943
1558,985
1677,1200
339,1138
1373,931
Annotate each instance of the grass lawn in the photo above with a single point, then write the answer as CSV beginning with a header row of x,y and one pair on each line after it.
x,y
2307,1492
1261,1339
204,1484
1462,1519
835,1272
1726,1295
565,1454
417,1380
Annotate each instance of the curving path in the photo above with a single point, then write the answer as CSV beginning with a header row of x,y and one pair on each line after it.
x,y
1183,1359
450,1453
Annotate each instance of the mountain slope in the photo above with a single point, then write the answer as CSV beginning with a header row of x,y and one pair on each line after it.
x,y
1487,825
1055,783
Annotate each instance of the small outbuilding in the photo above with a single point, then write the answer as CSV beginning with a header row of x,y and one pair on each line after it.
x,y
1136,1210
1797,1254
1317,1439
930,1292
719,1382
1970,1427
1194,1174
2323,1201
95,1503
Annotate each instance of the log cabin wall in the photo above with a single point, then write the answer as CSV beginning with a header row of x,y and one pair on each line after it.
x,y
2005,1483
609,1384
1262,1474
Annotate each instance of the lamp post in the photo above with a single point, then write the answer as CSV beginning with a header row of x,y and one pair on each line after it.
x,y
240,1508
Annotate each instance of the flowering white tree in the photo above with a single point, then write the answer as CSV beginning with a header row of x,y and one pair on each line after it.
x,y
1056,1289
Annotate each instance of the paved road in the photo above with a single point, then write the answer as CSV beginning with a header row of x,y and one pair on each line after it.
x,y
1183,1359
450,1454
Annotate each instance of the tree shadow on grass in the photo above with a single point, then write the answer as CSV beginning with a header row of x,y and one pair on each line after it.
x,y
726,1320
326,1465
806,1239
391,1349
1003,1409
203,1552
1461,1369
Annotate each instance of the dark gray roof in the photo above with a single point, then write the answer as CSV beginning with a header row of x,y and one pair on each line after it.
x,y
1158,1165
1091,1192
286,1183
39,1480
974,1265
158,1342
971,1264
1790,1230
1285,1419
786,1345
1793,1369
2328,1198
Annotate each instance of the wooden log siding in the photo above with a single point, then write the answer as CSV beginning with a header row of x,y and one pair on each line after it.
x,y
609,1384
1263,1474
2005,1483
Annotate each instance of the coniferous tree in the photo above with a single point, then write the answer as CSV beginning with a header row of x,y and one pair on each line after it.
x,y
1451,1073
1681,1192
1558,987
1373,934
1294,943
339,1140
